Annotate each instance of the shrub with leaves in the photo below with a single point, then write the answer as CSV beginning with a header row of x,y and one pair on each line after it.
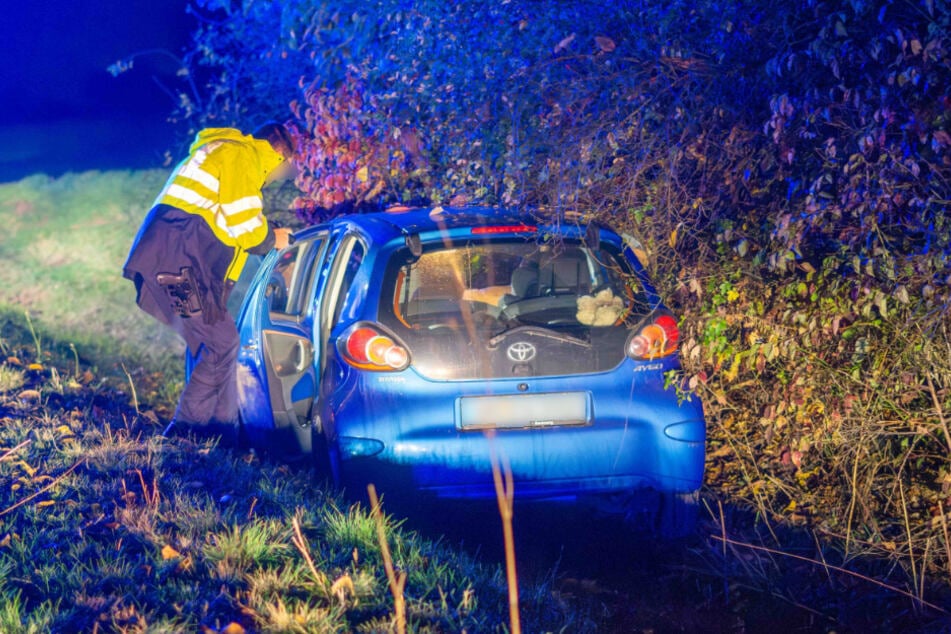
x,y
785,168
346,156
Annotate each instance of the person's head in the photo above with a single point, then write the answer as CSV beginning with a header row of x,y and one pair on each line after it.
x,y
283,143
279,138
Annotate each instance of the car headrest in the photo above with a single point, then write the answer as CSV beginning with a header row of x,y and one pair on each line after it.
x,y
564,274
525,282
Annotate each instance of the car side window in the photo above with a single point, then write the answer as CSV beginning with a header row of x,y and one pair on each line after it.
x,y
290,279
348,273
347,260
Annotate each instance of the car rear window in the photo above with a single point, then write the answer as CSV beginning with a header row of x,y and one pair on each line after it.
x,y
458,298
544,285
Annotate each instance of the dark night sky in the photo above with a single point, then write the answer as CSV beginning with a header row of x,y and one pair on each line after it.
x,y
60,110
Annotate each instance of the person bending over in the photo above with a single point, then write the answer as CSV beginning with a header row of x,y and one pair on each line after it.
x,y
190,251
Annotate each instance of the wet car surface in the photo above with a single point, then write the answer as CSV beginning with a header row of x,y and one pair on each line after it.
x,y
409,349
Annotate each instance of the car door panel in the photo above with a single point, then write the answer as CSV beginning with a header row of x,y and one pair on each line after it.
x,y
276,360
289,358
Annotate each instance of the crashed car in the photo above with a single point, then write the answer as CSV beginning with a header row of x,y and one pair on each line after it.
x,y
408,348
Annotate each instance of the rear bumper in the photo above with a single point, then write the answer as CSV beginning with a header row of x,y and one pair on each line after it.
x,y
407,436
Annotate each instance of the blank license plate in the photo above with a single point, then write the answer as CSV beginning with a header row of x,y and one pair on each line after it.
x,y
523,410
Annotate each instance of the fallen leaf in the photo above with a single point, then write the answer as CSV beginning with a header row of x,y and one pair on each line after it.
x,y
169,553
45,503
341,587
232,628
605,43
35,367
940,136
459,200
29,395
186,564
563,44
14,361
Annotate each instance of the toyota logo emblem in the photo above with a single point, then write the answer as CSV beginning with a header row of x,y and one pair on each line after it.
x,y
520,352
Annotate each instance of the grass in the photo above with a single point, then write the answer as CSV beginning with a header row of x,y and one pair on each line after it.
x,y
104,526
65,241
11,378
64,244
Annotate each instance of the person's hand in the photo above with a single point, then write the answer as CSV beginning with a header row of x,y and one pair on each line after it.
x,y
282,237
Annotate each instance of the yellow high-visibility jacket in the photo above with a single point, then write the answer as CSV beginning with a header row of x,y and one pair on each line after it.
x,y
221,181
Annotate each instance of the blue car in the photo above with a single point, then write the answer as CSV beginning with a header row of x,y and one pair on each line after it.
x,y
406,348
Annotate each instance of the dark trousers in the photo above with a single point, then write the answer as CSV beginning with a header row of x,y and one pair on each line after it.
x,y
210,398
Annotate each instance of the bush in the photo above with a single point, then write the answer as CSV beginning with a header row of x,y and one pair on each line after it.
x,y
785,169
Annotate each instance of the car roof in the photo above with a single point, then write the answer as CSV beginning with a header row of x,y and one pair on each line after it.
x,y
383,227
402,221
386,225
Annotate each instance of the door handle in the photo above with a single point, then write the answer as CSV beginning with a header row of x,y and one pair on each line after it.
x,y
301,357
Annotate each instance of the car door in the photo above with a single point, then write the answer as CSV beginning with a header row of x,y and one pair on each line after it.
x,y
277,381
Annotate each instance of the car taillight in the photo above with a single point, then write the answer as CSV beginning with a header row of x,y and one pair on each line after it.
x,y
504,229
369,349
657,339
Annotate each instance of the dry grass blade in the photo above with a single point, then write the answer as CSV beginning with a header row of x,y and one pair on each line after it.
x,y
828,566
853,483
397,583
947,542
49,486
9,453
135,398
505,493
301,543
151,498
939,412
911,548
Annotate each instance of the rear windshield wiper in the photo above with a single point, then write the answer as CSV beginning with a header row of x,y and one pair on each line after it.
x,y
537,331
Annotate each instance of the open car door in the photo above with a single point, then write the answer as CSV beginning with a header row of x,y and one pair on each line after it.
x,y
277,380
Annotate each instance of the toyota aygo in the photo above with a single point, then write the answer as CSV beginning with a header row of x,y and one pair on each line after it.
x,y
409,349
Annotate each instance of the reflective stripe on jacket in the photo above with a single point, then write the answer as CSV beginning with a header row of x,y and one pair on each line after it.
x,y
221,181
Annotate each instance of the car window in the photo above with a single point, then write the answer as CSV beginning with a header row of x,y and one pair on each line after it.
x,y
348,260
540,284
290,279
